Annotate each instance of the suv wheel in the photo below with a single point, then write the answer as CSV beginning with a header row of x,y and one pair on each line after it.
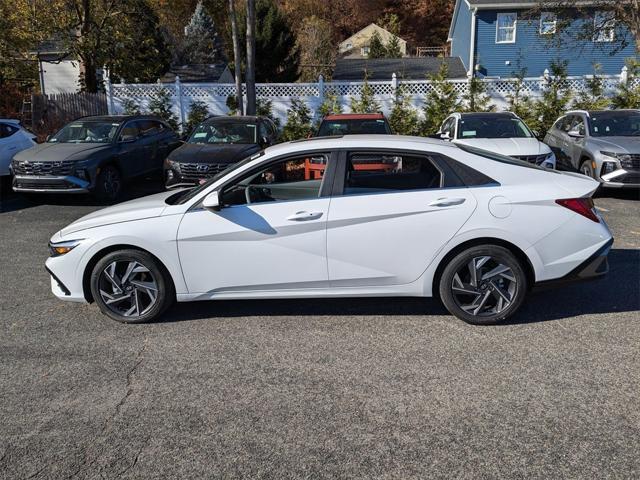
x,y
586,168
109,184
483,285
130,286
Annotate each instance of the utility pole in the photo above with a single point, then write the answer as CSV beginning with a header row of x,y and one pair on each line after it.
x,y
251,57
236,56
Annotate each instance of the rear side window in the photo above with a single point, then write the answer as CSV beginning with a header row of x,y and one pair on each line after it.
x,y
7,130
387,172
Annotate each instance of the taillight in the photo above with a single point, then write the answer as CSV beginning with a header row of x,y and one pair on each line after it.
x,y
582,206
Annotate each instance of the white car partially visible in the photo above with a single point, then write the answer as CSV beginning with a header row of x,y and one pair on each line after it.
x,y
13,139
358,216
504,133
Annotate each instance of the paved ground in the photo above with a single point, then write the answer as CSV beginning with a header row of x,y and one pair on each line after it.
x,y
309,389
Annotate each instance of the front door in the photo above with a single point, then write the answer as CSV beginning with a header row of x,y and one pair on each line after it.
x,y
131,152
390,221
269,235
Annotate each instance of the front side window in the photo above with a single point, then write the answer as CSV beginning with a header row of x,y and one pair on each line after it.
x,y
226,132
548,23
7,130
296,178
389,172
86,131
615,124
493,127
604,26
506,27
578,125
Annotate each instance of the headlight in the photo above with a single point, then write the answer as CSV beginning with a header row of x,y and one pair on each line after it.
x,y
618,156
62,248
170,164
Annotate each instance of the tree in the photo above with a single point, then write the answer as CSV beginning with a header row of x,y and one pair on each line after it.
x,y
130,107
277,58
251,57
330,106
160,106
316,48
592,98
519,102
298,121
237,57
198,112
627,95
555,99
441,101
367,102
376,47
623,13
264,108
201,44
404,118
393,48
476,98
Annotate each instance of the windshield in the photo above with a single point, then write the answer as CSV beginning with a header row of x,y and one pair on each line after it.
x,y
493,127
195,191
500,158
329,128
614,124
225,132
86,131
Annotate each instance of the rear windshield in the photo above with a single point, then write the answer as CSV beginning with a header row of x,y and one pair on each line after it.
x,y
353,127
501,158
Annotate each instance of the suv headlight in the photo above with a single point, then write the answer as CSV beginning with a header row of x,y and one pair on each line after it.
x,y
549,160
62,248
170,164
618,156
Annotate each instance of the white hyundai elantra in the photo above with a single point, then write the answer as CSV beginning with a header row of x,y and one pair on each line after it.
x,y
341,217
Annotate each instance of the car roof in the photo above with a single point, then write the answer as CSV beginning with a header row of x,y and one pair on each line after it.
x,y
119,118
355,116
487,114
234,119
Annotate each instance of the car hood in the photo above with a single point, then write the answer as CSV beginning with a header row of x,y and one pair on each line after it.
x,y
145,207
618,144
57,152
508,146
223,153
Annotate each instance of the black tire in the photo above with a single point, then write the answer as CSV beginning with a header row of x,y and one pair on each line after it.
x,y
109,184
586,168
453,290
155,274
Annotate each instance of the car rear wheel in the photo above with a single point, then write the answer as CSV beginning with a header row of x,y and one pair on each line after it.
x,y
109,184
483,285
130,286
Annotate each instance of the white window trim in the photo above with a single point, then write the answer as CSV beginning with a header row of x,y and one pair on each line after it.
x,y
599,35
515,27
555,23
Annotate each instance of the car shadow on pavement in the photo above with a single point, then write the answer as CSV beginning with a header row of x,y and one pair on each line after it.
x,y
619,291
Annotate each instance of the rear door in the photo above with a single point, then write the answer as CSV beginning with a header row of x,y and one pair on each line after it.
x,y
389,217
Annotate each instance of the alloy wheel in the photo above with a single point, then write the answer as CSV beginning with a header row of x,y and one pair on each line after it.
x,y
111,182
128,288
484,286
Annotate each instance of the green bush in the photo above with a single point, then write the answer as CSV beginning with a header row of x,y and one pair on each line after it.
x,y
593,97
232,104
198,112
476,98
520,103
264,108
404,118
628,96
367,102
130,107
441,101
160,106
298,121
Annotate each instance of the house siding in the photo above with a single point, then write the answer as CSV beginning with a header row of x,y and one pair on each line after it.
x,y
535,52
461,38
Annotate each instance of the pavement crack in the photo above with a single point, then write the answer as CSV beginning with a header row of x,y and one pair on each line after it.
x,y
135,459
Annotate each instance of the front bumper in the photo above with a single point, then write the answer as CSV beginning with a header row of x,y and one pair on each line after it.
x,y
50,184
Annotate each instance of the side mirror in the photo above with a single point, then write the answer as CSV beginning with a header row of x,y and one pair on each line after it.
x,y
445,136
575,134
48,138
536,134
212,202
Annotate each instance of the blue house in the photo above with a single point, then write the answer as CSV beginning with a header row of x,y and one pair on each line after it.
x,y
500,38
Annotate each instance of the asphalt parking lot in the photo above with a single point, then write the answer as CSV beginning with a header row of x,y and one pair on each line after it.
x,y
389,388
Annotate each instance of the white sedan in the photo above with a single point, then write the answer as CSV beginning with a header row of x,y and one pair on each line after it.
x,y
341,217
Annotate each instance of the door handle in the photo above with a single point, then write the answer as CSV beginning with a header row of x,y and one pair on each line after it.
x,y
303,216
447,202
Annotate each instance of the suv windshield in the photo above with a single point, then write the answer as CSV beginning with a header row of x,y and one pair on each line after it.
x,y
493,127
86,131
225,132
614,124
329,128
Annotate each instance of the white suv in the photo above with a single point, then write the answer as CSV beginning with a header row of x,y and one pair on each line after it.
x,y
13,139
503,133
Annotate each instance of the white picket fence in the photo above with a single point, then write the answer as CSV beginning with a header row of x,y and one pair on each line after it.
x,y
215,95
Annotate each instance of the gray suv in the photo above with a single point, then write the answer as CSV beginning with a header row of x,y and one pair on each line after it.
x,y
604,145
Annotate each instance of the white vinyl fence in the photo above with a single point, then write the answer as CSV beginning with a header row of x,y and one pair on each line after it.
x,y
215,95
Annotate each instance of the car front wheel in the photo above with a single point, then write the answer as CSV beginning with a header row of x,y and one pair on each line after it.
x,y
483,285
109,184
130,286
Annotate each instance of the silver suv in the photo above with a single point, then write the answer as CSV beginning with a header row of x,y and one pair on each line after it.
x,y
604,145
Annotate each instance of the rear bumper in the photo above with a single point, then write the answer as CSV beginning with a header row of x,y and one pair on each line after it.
x,y
50,184
593,268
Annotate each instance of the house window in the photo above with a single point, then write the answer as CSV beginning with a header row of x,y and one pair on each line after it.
x,y
548,23
506,28
349,46
604,27
364,51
